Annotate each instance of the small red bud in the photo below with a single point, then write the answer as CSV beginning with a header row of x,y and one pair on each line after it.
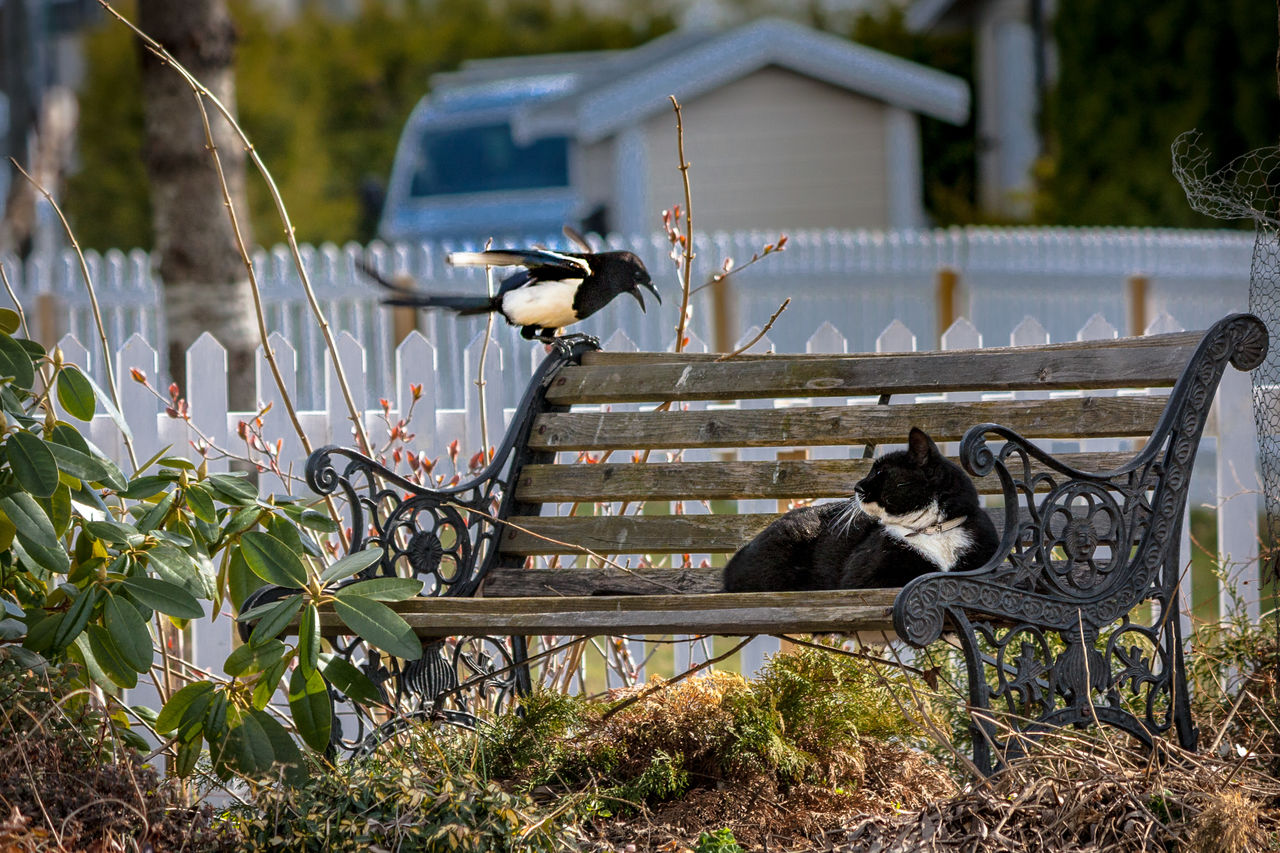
x,y
138,375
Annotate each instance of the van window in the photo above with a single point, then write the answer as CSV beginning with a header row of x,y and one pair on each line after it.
x,y
486,159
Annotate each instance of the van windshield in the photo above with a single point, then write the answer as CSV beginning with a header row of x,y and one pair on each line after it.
x,y
486,159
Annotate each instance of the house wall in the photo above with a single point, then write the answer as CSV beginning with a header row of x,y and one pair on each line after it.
x,y
773,151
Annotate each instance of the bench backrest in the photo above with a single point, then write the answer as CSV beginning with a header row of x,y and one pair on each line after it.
x,y
638,447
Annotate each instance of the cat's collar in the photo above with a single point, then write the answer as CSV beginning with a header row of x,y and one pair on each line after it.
x,y
934,529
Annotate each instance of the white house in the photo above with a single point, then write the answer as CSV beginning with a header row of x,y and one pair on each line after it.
x,y
785,128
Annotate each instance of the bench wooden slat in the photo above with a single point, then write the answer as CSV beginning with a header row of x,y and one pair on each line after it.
x,y
1187,341
1075,417
807,479
720,613
515,580
609,535
1130,363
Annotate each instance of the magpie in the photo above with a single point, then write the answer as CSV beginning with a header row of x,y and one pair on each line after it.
x,y
554,290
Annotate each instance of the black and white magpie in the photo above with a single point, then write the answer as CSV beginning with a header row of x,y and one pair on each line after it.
x,y
554,290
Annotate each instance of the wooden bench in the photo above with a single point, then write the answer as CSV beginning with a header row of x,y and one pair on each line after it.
x,y
1053,628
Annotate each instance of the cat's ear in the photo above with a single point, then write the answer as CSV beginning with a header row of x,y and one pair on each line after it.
x,y
920,446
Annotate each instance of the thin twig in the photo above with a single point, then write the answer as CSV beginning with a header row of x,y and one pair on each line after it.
x,y
22,315
259,311
687,272
93,304
291,238
484,354
767,326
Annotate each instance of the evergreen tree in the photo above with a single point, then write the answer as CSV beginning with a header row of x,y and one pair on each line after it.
x,y
1135,75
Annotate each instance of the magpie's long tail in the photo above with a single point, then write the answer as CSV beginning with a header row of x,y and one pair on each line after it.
x,y
453,302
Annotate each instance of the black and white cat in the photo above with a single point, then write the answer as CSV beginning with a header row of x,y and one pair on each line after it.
x,y
915,512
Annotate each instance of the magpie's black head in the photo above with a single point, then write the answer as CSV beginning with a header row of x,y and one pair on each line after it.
x,y
640,278
623,272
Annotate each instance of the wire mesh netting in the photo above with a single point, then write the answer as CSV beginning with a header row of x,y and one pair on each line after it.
x,y
1248,187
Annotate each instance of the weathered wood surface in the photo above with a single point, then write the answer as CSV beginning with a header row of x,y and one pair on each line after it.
x,y
601,581
1186,341
1127,363
607,535
737,614
1072,417
780,479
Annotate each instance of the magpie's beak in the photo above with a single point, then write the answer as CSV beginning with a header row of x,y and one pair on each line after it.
x,y
635,291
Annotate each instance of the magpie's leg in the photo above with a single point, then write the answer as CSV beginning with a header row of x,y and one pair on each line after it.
x,y
567,342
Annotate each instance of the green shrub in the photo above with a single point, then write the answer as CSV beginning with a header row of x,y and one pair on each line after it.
x,y
410,795
720,841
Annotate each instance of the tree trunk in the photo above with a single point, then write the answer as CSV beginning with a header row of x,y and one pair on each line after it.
x,y
205,284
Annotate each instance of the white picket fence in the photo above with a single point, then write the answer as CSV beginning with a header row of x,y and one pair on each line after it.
x,y
1226,477
858,280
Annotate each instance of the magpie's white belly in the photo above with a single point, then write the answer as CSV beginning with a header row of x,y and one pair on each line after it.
x,y
549,304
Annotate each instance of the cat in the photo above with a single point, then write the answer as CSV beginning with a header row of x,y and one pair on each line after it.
x,y
915,512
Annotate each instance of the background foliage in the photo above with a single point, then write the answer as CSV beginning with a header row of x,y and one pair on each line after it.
x,y
324,100
1134,76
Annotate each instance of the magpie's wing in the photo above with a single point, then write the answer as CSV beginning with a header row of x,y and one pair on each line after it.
x,y
378,277
531,258
575,236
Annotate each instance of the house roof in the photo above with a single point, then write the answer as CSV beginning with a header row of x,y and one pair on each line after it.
x,y
634,85
593,95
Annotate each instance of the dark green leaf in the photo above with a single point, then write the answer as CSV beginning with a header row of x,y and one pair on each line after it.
x,y
251,751
309,638
317,521
173,710
241,581
382,589
267,683
380,625
82,466
233,489
76,617
188,755
32,463
40,634
201,503
348,680
312,712
179,462
272,560
75,393
109,407
155,516
168,598
109,658
350,565
248,658
177,566
241,520
35,532
115,533
215,718
58,508
141,488
129,632
275,620
286,751
10,321
16,363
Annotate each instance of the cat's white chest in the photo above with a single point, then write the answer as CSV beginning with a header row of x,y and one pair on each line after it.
x,y
926,532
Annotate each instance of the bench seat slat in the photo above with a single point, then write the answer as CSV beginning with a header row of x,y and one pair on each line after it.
x,y
1076,417
517,580
1131,363
656,534
813,478
721,613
